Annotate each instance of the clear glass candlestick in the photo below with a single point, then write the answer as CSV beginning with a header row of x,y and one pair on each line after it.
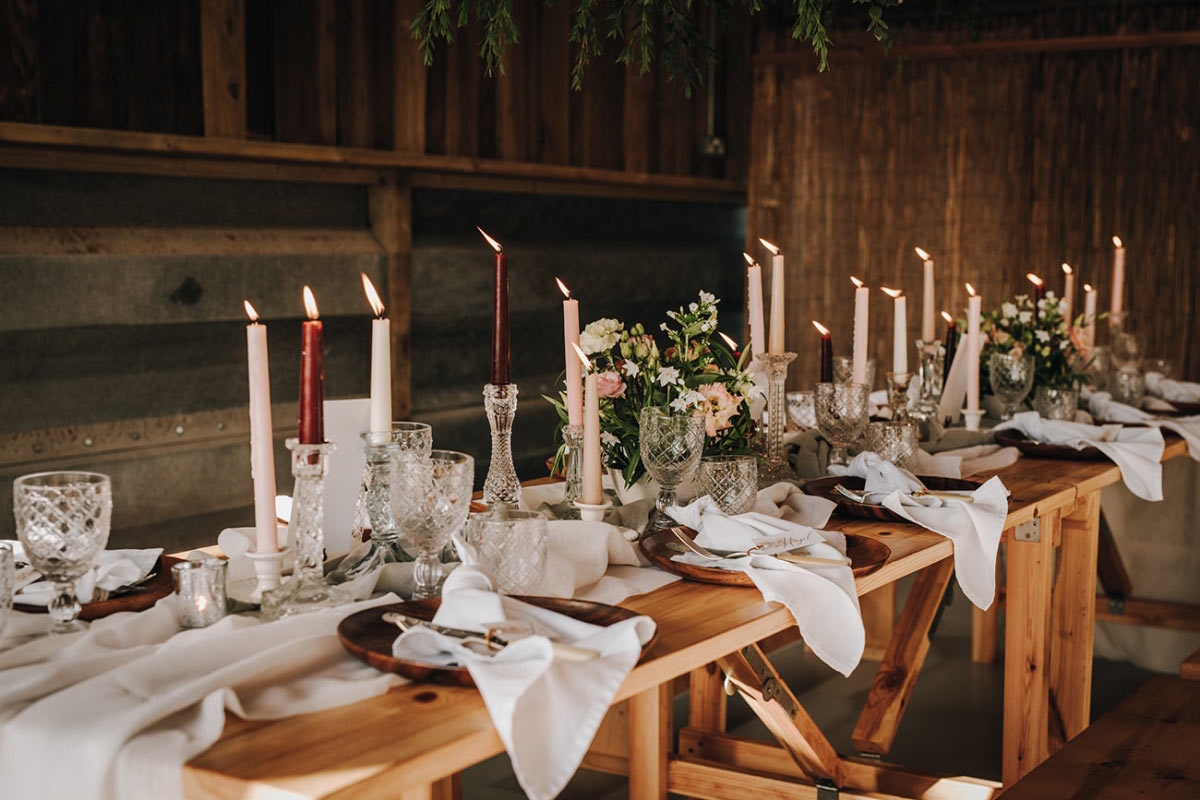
x,y
775,467
931,373
501,484
898,395
307,590
572,471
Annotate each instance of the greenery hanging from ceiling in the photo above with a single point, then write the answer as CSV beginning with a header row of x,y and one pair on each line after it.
x,y
639,28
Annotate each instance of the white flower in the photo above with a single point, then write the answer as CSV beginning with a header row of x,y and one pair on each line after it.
x,y
667,376
1042,336
1008,310
693,307
1063,344
601,335
709,326
687,400
707,299
1041,304
1025,316
664,327
609,440
631,369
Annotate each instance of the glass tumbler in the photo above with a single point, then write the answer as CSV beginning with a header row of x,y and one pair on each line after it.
x,y
63,520
512,546
731,481
1012,378
200,587
896,442
1054,403
1129,386
843,370
841,416
801,411
430,499
670,446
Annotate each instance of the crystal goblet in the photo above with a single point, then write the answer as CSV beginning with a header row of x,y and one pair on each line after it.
x,y
801,411
430,499
63,520
670,446
731,481
1012,378
841,416
511,545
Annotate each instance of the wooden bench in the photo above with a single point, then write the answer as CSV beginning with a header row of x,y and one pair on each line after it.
x,y
1148,746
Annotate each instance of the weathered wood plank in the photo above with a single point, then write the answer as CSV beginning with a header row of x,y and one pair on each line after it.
x,y
554,85
19,94
223,67
391,222
409,82
306,72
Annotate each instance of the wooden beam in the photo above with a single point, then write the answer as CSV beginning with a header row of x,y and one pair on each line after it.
x,y
649,742
773,702
1156,613
985,626
223,67
306,72
998,47
390,209
879,620
19,91
408,85
1074,623
893,685
1111,567
706,698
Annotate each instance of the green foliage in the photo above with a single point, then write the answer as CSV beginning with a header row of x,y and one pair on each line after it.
x,y
1060,356
642,29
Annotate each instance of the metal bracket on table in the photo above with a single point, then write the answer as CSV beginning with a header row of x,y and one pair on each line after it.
x,y
770,687
1116,603
1030,531
826,790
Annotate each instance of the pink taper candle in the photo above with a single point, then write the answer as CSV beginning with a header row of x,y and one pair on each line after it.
x,y
899,330
862,308
1089,315
776,344
570,340
973,314
927,311
1118,281
1068,292
262,436
592,492
754,303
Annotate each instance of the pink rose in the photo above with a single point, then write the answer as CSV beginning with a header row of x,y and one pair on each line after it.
x,y
721,406
610,384
1079,340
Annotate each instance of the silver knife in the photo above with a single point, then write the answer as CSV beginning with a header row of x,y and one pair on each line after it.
x,y
566,652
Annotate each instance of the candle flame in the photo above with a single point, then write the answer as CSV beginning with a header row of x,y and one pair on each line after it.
x,y
250,312
856,281
372,296
970,290
1035,280
1087,287
947,317
310,304
1117,241
749,259
495,245
774,250
728,340
891,292
1066,268
923,255
587,365
824,331
562,287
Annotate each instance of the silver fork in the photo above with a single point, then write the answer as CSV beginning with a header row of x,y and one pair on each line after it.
x,y
794,558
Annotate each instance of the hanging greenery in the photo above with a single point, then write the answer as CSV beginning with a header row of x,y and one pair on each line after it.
x,y
637,27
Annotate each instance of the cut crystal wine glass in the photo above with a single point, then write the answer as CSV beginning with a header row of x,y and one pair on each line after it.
x,y
63,520
430,500
671,445
841,416
1012,378
512,546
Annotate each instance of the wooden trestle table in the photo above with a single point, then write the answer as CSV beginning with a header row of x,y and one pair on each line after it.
x,y
413,741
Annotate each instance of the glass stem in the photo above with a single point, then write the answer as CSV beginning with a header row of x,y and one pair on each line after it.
x,y
64,607
573,464
427,573
501,484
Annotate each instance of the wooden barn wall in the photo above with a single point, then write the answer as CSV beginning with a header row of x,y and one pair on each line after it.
x,y
998,165
349,73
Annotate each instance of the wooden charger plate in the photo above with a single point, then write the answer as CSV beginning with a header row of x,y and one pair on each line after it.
x,y
1182,409
141,598
866,556
1014,438
369,639
827,488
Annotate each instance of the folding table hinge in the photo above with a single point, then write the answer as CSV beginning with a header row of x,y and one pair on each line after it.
x,y
1116,603
827,790
1030,531
771,690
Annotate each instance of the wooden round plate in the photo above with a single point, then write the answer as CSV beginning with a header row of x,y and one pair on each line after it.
x,y
369,639
827,488
141,598
1182,409
866,556
1013,438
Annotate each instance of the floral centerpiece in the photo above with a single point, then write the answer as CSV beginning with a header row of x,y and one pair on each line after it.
x,y
1061,355
695,373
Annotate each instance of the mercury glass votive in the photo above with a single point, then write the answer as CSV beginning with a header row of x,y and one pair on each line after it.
x,y
1129,386
200,591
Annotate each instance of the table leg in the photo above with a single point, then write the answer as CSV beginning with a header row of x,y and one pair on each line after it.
x,y
879,620
985,625
1074,623
446,789
649,742
706,698
1026,649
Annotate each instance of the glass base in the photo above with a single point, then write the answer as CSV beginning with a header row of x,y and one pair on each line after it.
x,y
368,558
301,595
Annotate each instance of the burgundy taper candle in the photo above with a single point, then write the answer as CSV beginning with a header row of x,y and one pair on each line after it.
x,y
951,341
500,338
826,353
312,374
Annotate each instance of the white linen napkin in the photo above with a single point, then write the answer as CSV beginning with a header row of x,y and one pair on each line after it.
x,y
132,698
788,502
1104,407
1137,451
1182,391
114,569
823,599
975,527
546,710
965,460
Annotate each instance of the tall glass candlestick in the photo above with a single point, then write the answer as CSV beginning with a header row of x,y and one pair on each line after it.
x,y
932,376
307,590
776,467
501,484
573,463
898,395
